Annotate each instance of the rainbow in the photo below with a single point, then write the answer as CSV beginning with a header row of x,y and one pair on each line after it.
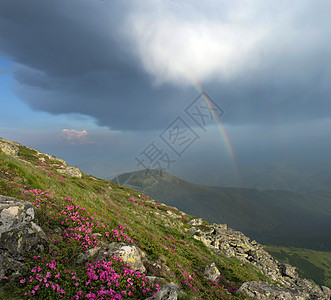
x,y
221,128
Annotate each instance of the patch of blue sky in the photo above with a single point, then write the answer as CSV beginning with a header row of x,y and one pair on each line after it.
x,y
15,113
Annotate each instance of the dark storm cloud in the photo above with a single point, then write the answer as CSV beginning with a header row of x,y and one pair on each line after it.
x,y
79,56
71,58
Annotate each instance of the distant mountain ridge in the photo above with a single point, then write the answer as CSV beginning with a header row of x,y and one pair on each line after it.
x,y
303,177
272,217
65,234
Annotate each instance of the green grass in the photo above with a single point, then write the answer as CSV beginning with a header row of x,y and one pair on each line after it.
x,y
8,295
145,220
27,154
314,265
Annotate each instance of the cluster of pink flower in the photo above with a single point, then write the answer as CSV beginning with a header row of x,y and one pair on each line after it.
x,y
119,235
189,280
80,228
169,243
39,192
101,280
40,196
134,200
41,278
79,224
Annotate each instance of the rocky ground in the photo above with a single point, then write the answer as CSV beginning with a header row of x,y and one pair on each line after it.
x,y
18,234
230,242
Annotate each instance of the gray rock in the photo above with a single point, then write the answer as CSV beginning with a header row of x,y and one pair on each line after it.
x,y
9,147
87,255
287,270
128,252
267,291
194,230
38,230
173,215
315,292
14,213
168,292
326,291
195,222
18,234
212,273
70,171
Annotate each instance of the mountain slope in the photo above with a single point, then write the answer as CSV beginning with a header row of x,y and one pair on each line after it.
x,y
67,206
273,217
74,236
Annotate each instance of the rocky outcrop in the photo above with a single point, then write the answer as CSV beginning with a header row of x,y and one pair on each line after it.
x,y
128,252
195,222
9,147
267,291
12,148
212,273
60,165
69,170
230,242
18,234
44,157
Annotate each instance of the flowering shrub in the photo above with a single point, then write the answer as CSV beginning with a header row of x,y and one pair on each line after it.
x,y
79,225
105,279
78,214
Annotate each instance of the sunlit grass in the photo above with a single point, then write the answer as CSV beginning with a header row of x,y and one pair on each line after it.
x,y
115,214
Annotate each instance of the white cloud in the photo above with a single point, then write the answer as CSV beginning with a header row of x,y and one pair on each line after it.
x,y
76,137
185,41
177,46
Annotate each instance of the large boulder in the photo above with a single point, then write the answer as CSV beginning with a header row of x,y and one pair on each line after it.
x,y
212,273
69,170
8,147
128,252
14,213
287,270
18,234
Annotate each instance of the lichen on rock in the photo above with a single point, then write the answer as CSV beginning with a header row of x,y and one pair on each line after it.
x,y
18,234
128,252
212,273
69,170
9,147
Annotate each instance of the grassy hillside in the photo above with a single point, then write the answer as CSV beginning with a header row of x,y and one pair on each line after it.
x,y
78,214
309,263
273,217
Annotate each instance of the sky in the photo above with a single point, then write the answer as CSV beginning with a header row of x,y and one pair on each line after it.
x,y
104,83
